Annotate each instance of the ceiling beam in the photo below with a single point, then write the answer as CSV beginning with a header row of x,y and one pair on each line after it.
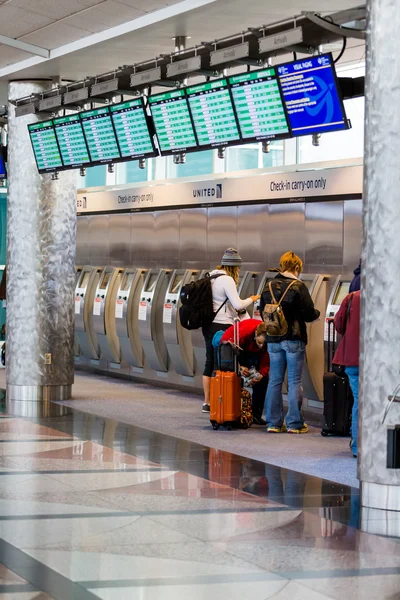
x,y
31,48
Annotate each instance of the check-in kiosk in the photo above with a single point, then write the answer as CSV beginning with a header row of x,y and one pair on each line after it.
x,y
127,316
339,291
104,314
263,282
84,298
248,284
178,340
150,317
318,286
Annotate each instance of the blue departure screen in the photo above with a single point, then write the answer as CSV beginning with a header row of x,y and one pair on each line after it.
x,y
3,174
311,96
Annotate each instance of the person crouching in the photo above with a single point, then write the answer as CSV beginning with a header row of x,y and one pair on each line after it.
x,y
253,354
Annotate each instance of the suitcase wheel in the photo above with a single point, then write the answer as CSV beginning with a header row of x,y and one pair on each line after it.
x,y
324,433
215,425
229,427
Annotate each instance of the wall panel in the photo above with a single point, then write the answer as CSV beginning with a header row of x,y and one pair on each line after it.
x,y
286,231
324,236
221,232
120,238
142,239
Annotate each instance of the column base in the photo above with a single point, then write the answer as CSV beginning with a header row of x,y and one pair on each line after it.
x,y
380,509
37,400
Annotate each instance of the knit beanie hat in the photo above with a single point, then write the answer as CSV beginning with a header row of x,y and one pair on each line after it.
x,y
231,258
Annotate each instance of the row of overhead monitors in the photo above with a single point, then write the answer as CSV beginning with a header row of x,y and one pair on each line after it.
x,y
294,99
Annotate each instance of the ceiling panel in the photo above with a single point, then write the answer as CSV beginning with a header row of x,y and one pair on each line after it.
x,y
54,9
56,35
9,56
145,5
16,22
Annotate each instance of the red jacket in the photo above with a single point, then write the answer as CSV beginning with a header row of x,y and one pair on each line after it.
x,y
247,330
347,353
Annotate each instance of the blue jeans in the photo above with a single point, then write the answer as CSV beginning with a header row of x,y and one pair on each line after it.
x,y
290,354
352,374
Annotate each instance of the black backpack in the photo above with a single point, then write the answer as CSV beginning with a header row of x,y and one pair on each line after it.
x,y
197,303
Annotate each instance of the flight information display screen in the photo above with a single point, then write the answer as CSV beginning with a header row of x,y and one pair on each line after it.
x,y
132,130
311,95
3,174
213,115
45,147
259,106
69,132
172,122
100,135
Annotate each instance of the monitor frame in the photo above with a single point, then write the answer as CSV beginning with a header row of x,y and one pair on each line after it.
x,y
78,165
172,152
3,162
217,145
96,163
155,151
46,171
347,123
272,137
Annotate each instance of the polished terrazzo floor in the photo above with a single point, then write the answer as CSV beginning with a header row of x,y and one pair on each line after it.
x,y
93,508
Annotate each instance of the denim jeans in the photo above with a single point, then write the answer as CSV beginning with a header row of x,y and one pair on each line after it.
x,y
352,374
290,354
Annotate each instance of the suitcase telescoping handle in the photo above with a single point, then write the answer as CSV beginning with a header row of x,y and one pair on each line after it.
x,y
331,344
236,344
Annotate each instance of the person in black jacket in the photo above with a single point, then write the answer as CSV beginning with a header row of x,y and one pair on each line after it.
x,y
355,284
289,350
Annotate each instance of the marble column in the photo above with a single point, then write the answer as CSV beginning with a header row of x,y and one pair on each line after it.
x,y
380,292
41,247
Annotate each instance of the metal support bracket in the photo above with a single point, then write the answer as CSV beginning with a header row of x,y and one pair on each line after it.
x,y
346,32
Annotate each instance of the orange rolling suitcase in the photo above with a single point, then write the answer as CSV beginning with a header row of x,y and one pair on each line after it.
x,y
225,392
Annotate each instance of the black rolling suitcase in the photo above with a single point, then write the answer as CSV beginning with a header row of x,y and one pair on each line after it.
x,y
338,398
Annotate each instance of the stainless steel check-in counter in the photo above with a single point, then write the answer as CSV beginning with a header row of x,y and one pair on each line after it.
x,y
150,317
127,315
318,286
178,340
104,314
84,298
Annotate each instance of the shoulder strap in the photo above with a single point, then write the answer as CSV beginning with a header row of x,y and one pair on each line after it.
x,y
284,293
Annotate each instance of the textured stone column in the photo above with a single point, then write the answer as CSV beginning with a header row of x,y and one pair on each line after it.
x,y
380,310
41,247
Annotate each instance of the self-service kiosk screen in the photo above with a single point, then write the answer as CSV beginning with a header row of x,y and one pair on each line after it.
x,y
259,105
71,140
45,147
213,115
85,279
341,292
105,280
124,283
172,121
132,130
312,96
175,284
100,135
151,282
